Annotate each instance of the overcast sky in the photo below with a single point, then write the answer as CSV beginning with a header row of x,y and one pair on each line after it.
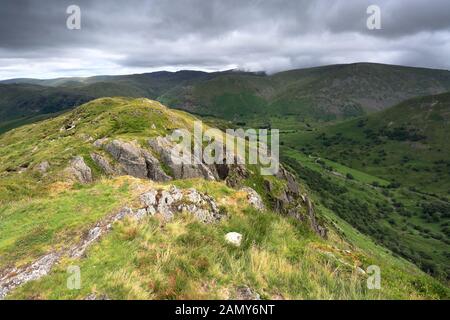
x,y
119,37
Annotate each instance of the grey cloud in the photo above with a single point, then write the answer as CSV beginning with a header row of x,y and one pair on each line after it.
x,y
138,36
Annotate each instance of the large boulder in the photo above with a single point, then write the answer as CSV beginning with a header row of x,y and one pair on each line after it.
x,y
180,169
129,156
254,199
79,169
135,161
103,163
169,202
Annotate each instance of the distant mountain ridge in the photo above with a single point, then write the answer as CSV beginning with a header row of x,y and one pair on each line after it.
x,y
320,93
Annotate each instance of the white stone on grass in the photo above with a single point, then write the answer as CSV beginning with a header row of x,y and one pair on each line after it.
x,y
234,238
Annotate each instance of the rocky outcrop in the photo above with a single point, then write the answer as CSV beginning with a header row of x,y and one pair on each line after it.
x,y
154,169
16,277
163,146
103,163
136,161
12,278
93,296
293,188
236,173
319,229
254,199
100,142
79,169
245,293
169,202
43,167
291,202
283,194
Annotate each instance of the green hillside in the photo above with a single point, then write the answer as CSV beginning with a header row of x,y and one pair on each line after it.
x,y
312,94
411,224
406,144
392,167
322,93
21,101
72,194
25,100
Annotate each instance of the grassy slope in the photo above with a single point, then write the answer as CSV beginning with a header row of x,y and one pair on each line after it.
x,y
393,217
280,256
23,99
407,143
30,145
377,151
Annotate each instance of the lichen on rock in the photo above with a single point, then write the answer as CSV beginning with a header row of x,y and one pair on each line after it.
x,y
169,202
79,170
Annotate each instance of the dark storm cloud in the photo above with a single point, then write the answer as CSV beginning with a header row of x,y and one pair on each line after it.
x,y
137,36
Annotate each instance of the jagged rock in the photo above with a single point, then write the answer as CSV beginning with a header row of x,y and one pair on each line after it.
x,y
93,296
103,163
163,146
281,199
135,161
290,201
236,174
98,230
254,199
285,199
129,156
292,185
234,238
80,170
319,229
172,201
154,170
360,271
148,199
245,293
16,277
100,142
68,126
43,167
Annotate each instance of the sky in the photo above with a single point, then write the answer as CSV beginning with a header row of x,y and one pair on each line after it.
x,y
122,37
